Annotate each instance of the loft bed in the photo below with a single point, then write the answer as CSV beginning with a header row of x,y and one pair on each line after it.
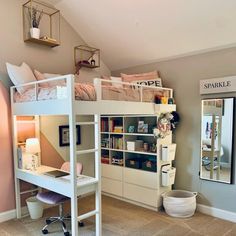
x,y
62,100
106,99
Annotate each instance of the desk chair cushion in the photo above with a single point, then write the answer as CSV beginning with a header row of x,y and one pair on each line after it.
x,y
51,198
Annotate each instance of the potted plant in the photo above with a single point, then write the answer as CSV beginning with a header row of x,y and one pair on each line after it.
x,y
35,18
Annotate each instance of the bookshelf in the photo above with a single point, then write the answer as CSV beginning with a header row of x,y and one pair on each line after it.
x,y
131,161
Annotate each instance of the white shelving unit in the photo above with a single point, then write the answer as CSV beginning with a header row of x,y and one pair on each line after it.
x,y
135,183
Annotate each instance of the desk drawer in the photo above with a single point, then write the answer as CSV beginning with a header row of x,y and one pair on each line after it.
x,y
140,194
141,178
112,171
112,186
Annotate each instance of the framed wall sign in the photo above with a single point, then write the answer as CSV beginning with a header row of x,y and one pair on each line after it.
x,y
218,85
64,135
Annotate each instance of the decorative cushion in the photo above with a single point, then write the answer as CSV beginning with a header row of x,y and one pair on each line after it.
x,y
116,79
106,78
39,76
154,82
20,75
144,76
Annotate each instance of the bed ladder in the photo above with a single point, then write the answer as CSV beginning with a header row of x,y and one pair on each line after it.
x,y
75,218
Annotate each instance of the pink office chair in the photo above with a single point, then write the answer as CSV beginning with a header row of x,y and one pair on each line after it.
x,y
53,198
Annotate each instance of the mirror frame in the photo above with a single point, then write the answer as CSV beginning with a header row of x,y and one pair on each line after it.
x,y
232,147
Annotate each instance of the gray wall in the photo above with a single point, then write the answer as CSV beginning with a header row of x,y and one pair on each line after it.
x,y
183,76
45,59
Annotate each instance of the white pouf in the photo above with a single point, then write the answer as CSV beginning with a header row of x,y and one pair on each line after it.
x,y
179,203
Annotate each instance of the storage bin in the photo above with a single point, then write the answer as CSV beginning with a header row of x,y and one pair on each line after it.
x,y
179,203
149,165
35,208
130,146
133,163
168,152
139,145
168,175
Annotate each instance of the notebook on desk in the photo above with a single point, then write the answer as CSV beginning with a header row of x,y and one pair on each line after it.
x,y
56,173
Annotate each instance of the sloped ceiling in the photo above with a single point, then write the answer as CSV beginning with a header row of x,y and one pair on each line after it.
x,y
134,32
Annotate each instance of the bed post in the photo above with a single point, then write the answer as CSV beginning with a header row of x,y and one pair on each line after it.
x,y
73,157
98,175
98,87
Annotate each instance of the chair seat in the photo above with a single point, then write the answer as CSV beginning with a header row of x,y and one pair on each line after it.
x,y
51,197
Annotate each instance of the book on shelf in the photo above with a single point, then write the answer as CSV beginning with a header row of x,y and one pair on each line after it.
x,y
116,143
104,125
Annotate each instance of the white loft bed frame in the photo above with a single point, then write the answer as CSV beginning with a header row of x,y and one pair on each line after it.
x,y
71,107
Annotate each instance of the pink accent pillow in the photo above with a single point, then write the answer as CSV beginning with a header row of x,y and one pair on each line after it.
x,y
144,76
39,76
106,78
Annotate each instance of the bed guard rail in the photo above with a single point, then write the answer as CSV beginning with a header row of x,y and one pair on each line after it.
x,y
64,83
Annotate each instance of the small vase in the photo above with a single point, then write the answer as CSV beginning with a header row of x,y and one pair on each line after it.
x,y
35,33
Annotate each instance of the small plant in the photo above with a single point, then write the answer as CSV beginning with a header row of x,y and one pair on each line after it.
x,y
35,17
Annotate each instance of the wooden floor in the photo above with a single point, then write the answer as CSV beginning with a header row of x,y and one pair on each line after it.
x,y
120,218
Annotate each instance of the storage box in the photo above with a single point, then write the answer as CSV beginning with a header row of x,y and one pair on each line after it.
x,y
149,165
130,146
139,145
168,152
105,160
133,163
168,175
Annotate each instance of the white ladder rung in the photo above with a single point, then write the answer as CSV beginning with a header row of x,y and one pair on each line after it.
x,y
30,191
86,151
86,123
87,215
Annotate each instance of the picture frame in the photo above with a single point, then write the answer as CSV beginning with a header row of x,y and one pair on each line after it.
x,y
64,135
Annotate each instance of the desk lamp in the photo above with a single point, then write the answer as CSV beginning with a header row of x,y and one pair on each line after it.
x,y
32,147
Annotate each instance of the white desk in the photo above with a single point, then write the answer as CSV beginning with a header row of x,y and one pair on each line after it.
x,y
85,184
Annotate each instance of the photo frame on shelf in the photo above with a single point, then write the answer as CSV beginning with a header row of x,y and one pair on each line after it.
x,y
64,135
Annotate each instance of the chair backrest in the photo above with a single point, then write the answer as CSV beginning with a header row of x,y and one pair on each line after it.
x,y
66,167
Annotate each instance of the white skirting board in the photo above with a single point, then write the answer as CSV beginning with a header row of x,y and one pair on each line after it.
x,y
216,212
9,215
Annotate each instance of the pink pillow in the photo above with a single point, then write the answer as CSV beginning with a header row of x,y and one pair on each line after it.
x,y
106,78
39,76
144,76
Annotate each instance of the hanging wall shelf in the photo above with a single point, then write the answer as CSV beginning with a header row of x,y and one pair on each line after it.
x,y
85,56
41,23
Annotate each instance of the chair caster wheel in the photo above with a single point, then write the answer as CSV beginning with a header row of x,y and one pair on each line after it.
x,y
67,234
81,224
48,221
45,231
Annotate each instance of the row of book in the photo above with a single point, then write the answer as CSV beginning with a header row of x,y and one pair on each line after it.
x,y
104,125
116,143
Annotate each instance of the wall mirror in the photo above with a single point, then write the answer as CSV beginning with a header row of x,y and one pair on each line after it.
x,y
217,124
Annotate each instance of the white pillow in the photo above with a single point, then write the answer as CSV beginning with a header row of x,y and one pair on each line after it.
x,y
153,82
117,79
20,75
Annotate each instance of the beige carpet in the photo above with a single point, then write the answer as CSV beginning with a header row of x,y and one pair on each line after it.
x,y
120,218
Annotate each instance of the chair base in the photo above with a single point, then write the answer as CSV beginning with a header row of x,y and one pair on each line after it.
x,y
60,219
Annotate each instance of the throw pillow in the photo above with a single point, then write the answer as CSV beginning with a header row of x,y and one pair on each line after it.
x,y
20,75
143,76
39,76
154,82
